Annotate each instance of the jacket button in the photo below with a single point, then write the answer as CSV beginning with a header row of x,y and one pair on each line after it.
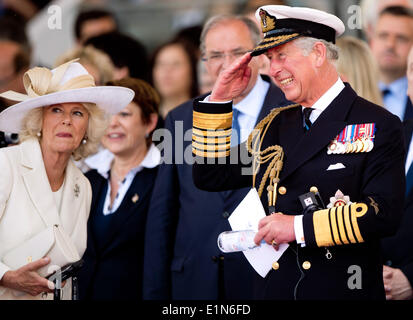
x,y
275,265
314,189
306,265
282,190
225,214
214,258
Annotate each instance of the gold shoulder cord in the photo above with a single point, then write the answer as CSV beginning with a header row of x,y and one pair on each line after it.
x,y
273,153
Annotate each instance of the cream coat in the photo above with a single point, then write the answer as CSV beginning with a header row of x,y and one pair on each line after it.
x,y
27,202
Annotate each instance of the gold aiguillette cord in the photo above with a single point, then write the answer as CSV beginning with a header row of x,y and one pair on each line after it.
x,y
274,154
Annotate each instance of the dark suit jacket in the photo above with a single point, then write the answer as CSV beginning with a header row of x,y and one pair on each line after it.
x,y
408,110
374,178
398,249
182,259
113,259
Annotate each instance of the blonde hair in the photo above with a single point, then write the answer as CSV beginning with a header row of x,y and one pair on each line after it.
x,y
98,121
91,56
358,65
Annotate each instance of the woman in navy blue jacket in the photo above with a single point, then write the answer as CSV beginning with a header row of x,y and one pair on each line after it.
x,y
122,180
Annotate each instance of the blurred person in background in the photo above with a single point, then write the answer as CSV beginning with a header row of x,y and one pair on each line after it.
x,y
192,35
370,10
357,66
94,22
122,179
23,10
205,81
397,250
390,45
15,53
174,74
128,55
96,62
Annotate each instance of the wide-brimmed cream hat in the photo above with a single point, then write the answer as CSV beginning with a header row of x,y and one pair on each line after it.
x,y
70,82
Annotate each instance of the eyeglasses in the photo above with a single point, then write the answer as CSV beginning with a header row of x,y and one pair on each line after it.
x,y
219,57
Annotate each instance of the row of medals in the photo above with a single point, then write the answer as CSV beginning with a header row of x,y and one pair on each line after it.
x,y
360,145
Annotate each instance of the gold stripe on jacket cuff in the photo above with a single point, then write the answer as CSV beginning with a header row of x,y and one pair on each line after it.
x,y
212,124
211,133
214,116
334,226
322,229
340,223
354,215
211,147
346,214
210,154
211,140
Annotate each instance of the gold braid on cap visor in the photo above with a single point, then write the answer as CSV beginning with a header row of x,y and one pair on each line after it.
x,y
272,41
41,81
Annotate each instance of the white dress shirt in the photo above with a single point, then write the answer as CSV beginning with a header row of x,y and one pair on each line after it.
x,y
250,107
409,158
395,101
102,162
319,106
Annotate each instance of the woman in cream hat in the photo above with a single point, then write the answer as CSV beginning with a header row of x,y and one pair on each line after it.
x,y
61,117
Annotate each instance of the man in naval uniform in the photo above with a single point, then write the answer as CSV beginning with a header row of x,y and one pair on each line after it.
x,y
332,148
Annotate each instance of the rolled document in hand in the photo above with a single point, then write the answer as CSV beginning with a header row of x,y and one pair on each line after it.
x,y
235,241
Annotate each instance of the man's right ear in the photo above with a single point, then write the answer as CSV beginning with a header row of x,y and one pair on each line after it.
x,y
320,51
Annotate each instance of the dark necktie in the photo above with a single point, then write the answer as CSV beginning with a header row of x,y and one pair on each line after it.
x,y
307,122
236,130
385,92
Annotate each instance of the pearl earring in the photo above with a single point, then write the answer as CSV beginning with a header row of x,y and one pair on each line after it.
x,y
39,134
84,141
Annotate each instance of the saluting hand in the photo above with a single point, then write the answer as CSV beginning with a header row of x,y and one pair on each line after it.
x,y
232,81
27,279
277,227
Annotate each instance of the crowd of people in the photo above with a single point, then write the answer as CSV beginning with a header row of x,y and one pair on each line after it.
x,y
128,156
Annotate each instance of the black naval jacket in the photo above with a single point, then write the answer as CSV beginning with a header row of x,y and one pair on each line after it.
x,y
373,180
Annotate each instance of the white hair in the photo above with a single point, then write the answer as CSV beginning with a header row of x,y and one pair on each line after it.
x,y
306,44
214,21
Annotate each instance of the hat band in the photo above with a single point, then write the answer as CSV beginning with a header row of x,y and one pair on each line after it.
x,y
304,28
279,32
